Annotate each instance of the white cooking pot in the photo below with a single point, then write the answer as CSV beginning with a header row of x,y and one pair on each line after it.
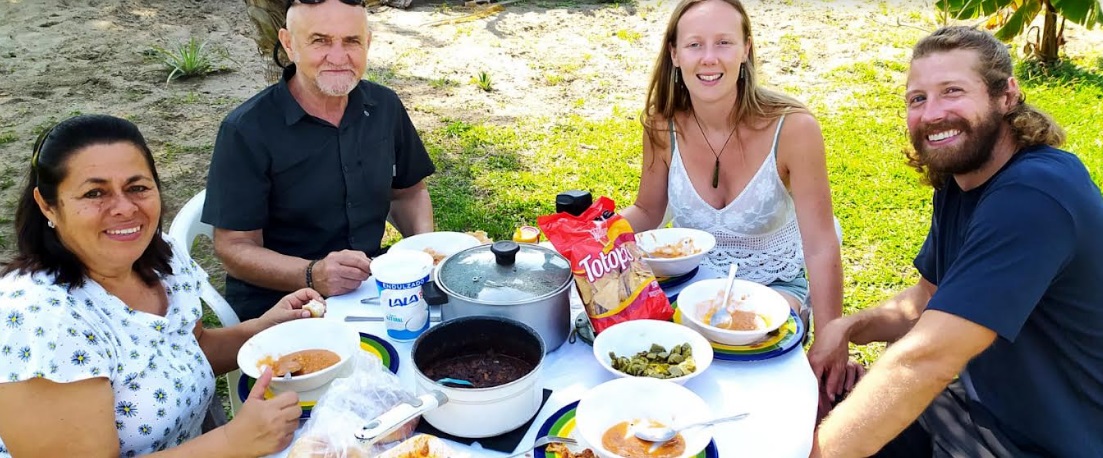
x,y
464,411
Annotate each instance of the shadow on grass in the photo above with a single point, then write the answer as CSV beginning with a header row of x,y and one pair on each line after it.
x,y
1062,73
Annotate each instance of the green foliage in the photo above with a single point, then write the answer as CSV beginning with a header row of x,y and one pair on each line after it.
x,y
380,75
188,59
792,54
442,83
483,81
1014,17
630,36
7,137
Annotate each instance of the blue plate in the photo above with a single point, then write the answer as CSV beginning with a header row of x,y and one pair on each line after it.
x,y
670,282
789,336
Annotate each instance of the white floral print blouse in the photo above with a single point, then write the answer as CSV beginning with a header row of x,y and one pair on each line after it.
x,y
163,382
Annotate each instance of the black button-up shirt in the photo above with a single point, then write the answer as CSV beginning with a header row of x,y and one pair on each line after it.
x,y
311,187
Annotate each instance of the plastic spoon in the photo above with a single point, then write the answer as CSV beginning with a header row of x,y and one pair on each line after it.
x,y
661,434
719,319
456,381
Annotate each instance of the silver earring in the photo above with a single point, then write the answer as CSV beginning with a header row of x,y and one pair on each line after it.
x,y
675,73
50,223
743,71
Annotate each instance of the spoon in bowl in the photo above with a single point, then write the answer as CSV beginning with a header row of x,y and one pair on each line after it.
x,y
721,316
658,435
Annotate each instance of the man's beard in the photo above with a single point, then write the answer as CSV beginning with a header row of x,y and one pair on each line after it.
x,y
336,86
970,155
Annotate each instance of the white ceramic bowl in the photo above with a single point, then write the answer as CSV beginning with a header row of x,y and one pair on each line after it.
x,y
296,335
631,337
769,304
636,398
672,267
445,243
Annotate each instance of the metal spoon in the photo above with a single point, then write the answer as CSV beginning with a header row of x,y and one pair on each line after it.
x,y
540,442
719,320
353,318
662,434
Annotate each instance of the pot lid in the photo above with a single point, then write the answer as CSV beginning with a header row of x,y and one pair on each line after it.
x,y
505,272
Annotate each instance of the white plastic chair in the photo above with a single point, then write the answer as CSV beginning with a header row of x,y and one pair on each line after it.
x,y
185,227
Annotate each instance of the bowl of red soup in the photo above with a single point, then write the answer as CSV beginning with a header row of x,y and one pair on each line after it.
x,y
303,354
608,415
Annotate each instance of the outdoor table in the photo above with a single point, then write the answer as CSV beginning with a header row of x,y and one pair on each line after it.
x,y
780,393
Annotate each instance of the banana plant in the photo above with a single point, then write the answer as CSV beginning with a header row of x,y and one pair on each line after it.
x,y
1014,18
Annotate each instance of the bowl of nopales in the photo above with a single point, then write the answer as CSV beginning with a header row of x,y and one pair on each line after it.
x,y
653,349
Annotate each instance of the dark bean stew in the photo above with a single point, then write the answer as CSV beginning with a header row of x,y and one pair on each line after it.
x,y
483,370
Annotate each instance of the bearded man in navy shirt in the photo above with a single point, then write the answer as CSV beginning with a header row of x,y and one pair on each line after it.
x,y
998,350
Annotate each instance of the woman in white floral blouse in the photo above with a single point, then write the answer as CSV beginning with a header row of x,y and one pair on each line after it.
x,y
102,352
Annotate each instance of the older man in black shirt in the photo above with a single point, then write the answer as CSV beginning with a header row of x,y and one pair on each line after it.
x,y
306,173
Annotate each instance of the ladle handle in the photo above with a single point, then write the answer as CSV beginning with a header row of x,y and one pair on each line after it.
x,y
399,415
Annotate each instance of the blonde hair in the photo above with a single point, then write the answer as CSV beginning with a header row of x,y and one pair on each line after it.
x,y
667,96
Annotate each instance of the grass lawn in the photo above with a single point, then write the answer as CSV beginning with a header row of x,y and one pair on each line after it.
x,y
495,177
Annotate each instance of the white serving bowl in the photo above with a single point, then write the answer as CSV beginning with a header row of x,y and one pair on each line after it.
x,y
641,398
760,299
631,337
672,267
296,335
445,243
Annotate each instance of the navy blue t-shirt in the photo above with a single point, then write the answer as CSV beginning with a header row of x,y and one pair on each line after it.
x,y
1022,255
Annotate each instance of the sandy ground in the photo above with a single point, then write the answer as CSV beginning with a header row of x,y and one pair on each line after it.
x,y
61,57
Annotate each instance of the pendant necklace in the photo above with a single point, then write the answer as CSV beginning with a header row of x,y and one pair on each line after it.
x,y
716,166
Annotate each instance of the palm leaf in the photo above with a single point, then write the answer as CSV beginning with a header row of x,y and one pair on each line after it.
x,y
969,9
1020,21
1083,12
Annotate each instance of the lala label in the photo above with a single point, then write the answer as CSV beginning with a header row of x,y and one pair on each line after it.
x,y
406,315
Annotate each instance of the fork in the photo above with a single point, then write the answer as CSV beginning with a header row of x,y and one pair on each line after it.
x,y
542,441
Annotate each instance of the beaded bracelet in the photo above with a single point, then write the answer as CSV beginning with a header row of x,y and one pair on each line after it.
x,y
310,273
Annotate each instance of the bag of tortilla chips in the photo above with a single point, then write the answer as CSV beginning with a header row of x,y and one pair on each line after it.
x,y
613,281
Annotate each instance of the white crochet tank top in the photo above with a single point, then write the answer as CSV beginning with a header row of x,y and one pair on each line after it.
x,y
758,230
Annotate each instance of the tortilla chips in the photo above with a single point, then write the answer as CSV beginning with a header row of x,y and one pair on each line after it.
x,y
613,281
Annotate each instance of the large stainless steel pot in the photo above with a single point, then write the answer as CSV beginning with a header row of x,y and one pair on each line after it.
x,y
522,281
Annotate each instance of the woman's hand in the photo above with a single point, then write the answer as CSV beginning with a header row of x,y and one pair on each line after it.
x,y
829,356
264,426
290,307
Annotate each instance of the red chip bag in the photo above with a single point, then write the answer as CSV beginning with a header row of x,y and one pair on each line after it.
x,y
612,279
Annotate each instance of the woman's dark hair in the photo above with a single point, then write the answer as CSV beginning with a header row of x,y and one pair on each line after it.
x,y
40,249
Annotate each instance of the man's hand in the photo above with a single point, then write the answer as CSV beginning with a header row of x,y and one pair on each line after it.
x,y
290,307
263,427
341,272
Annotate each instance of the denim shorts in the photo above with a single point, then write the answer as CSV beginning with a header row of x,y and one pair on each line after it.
x,y
797,287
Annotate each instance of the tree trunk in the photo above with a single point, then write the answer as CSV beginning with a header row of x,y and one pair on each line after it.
x,y
1049,43
268,18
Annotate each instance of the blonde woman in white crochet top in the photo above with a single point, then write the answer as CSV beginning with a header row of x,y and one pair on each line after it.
x,y
744,163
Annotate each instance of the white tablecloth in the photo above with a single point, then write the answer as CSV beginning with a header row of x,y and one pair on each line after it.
x,y
780,393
